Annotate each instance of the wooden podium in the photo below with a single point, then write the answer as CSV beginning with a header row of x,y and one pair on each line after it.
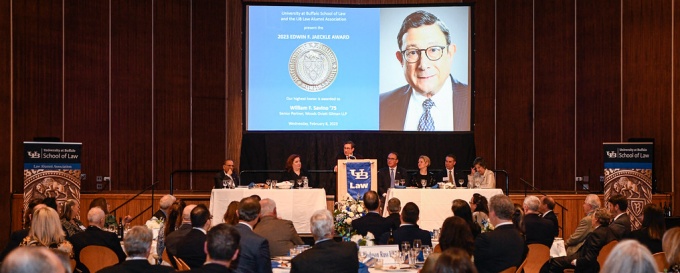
x,y
343,187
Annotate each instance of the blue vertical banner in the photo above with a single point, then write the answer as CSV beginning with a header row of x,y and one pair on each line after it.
x,y
628,172
52,169
358,179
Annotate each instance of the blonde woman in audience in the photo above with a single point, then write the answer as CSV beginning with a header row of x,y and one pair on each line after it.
x,y
70,214
671,246
629,256
46,231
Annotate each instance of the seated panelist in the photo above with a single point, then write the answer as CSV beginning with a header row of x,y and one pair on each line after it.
x,y
423,175
294,170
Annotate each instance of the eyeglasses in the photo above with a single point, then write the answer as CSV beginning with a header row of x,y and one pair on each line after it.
x,y
433,53
391,158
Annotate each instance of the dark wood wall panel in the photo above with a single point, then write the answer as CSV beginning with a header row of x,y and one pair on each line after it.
x,y
675,165
131,81
598,80
647,78
37,75
172,90
209,88
234,80
5,116
554,93
484,78
514,90
86,83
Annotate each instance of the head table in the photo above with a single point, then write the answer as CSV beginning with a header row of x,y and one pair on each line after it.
x,y
296,205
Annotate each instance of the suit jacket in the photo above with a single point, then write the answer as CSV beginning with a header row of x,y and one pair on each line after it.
x,y
98,237
499,249
457,175
160,215
395,220
254,252
373,223
621,226
220,176
291,175
211,268
586,257
579,236
331,185
550,215
328,257
172,239
394,105
642,235
280,234
407,233
136,266
191,248
385,180
538,230
14,240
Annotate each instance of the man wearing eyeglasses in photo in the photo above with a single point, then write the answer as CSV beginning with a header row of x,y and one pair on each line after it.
x,y
432,100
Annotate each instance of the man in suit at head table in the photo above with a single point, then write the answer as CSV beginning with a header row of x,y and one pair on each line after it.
x,y
228,173
388,176
451,174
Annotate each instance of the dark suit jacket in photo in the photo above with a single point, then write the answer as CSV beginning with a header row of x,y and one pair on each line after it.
x,y
395,220
550,215
328,257
372,222
621,226
408,233
457,174
191,248
98,237
499,249
160,215
586,256
538,230
211,268
385,180
254,255
417,177
136,266
280,234
15,240
291,175
394,105
172,239
220,176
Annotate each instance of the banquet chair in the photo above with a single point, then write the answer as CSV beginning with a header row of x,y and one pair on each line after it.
x,y
521,267
661,262
97,257
537,256
166,258
181,265
602,257
509,270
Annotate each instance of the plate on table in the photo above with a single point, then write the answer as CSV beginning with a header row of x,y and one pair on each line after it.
x,y
282,258
392,268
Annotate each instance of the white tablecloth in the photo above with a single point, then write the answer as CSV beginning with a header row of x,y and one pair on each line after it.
x,y
296,205
435,204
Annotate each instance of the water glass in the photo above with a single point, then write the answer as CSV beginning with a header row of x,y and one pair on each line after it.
x,y
402,182
417,244
268,182
427,250
299,183
396,256
405,246
412,256
378,264
305,182
274,182
224,183
460,182
362,256
423,182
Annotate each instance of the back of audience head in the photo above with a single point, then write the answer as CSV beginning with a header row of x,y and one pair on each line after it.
x,y
267,207
618,200
231,215
67,209
371,200
51,202
32,260
603,217
548,203
671,246
137,241
248,209
95,217
46,227
410,213
29,211
531,203
222,243
430,263
186,213
394,205
629,256
502,207
174,216
518,217
479,203
456,233
200,216
166,201
654,221
256,197
462,209
321,224
454,260
593,201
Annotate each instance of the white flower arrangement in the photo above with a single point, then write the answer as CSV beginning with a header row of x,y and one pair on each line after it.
x,y
367,240
154,223
345,212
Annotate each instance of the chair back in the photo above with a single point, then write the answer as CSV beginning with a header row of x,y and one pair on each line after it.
x,y
604,252
661,262
509,270
181,265
97,257
521,267
537,256
166,258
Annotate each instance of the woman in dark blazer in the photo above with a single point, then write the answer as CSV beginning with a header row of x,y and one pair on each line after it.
x,y
653,228
423,173
294,170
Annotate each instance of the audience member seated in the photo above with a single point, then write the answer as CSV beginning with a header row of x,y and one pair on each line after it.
x,y
518,218
372,222
52,203
584,227
231,215
173,220
137,243
462,209
546,209
480,210
326,255
294,171
70,212
629,256
618,204
502,247
254,249
423,174
64,259
172,240
409,230
190,247
653,228
394,208
32,260
164,207
671,247
585,259
456,234
221,249
16,237
537,230
430,263
454,260
46,231
480,177
94,235
280,234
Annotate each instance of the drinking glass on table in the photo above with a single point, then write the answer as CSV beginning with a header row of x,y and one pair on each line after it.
x,y
396,255
423,182
299,183
269,183
402,182
274,182
362,256
224,183
460,182
405,246
427,250
417,244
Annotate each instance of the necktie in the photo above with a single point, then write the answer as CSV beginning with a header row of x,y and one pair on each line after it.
x,y
426,123
450,177
392,177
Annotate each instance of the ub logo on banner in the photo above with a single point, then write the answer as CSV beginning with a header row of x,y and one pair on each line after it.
x,y
358,179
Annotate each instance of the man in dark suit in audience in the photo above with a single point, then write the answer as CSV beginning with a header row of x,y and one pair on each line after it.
x,y
227,173
254,249
221,248
372,222
172,239
450,173
164,207
94,235
618,204
388,175
394,207
409,230
280,233
585,259
190,248
326,255
138,246
503,247
546,209
536,229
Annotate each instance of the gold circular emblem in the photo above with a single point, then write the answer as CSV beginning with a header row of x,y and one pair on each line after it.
x,y
313,66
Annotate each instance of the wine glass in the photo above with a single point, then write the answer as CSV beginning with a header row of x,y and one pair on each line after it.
x,y
427,250
402,182
224,183
417,244
460,182
405,246
299,183
269,183
395,254
423,182
362,256
274,181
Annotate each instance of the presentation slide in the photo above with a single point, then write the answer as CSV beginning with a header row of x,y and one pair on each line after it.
x,y
311,68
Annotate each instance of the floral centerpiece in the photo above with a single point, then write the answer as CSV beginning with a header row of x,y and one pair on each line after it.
x,y
345,212
363,240
486,226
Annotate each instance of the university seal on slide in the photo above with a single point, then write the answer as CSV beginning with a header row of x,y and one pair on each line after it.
x,y
313,66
